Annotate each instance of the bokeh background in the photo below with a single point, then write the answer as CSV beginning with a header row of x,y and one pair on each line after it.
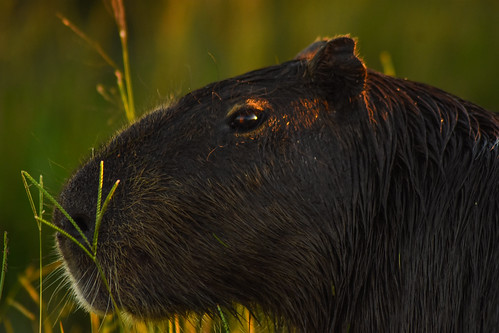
x,y
51,114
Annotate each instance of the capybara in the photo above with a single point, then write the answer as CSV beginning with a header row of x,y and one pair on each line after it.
x,y
326,195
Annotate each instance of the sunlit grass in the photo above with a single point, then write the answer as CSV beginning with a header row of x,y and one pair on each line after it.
x,y
124,85
28,283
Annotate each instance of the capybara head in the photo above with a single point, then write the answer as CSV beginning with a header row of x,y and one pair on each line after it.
x,y
325,194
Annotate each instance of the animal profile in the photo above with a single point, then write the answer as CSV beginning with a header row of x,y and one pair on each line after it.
x,y
325,194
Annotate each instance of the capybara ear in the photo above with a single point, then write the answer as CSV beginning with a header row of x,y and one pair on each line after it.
x,y
337,70
309,52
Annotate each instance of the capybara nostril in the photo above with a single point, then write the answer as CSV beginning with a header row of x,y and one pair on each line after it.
x,y
84,222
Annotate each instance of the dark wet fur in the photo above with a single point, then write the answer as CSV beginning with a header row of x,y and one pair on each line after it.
x,y
362,202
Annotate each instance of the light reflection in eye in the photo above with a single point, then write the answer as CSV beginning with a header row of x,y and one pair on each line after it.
x,y
247,119
243,118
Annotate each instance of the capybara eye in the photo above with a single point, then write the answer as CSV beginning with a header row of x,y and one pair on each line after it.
x,y
246,119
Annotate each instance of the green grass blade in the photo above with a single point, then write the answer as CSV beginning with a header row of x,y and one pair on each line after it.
x,y
28,192
54,201
109,197
40,200
131,107
119,16
99,195
101,214
224,321
123,94
65,234
40,214
4,262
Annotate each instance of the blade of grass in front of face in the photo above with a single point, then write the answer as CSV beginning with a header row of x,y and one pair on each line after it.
x,y
99,190
97,210
98,219
40,220
54,201
101,214
101,210
65,234
4,262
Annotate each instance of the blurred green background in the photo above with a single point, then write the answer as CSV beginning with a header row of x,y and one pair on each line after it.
x,y
51,115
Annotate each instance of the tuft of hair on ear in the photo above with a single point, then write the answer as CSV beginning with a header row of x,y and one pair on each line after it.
x,y
336,69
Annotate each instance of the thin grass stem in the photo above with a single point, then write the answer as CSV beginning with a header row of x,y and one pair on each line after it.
x,y
98,207
40,214
54,201
131,107
126,90
119,16
65,234
4,261
224,321
28,192
99,191
123,93
87,39
101,214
